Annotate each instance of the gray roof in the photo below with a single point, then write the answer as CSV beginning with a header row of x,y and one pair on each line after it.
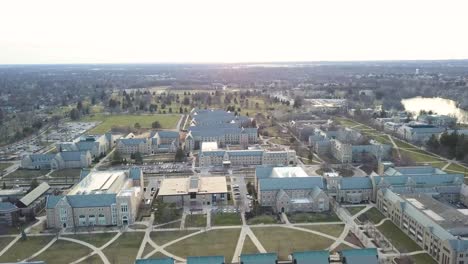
x,y
71,155
348,183
423,179
291,183
41,157
132,141
168,134
85,200
34,194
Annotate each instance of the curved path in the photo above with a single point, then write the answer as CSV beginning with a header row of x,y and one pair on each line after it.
x,y
40,251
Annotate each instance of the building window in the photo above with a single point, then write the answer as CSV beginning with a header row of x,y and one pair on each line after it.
x,y
102,219
124,208
82,220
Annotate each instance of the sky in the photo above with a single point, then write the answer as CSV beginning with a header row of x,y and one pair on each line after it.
x,y
202,31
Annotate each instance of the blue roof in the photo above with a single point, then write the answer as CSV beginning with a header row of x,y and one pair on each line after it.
x,y
316,257
214,153
360,256
424,180
291,183
260,258
168,134
348,183
135,173
86,145
41,157
206,260
84,200
245,152
262,172
7,206
71,155
155,261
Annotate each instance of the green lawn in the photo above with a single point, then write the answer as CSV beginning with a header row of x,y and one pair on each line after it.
x,y
4,241
125,248
249,247
355,209
4,166
24,249
373,215
175,224
284,240
423,259
456,167
163,237
148,249
398,239
214,242
332,230
165,212
262,219
313,217
196,220
70,173
95,239
109,121
222,219
63,252
94,259
26,174
419,156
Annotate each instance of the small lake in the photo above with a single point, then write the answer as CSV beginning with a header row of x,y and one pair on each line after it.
x,y
438,105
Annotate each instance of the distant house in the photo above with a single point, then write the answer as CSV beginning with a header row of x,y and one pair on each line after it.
x,y
71,160
58,161
37,161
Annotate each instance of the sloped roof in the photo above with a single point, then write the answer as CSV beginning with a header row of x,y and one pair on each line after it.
x,y
132,141
263,171
34,194
52,200
259,258
316,257
245,152
424,179
360,256
168,134
135,173
71,155
347,183
41,157
86,200
291,183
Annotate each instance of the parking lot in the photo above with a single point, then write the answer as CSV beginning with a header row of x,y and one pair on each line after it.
x,y
240,194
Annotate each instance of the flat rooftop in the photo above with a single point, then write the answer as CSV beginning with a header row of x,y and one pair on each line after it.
x,y
449,217
209,146
200,185
288,172
98,182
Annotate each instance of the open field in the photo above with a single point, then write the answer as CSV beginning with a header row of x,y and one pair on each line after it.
x,y
70,173
313,217
214,242
332,230
125,248
222,219
94,259
398,239
63,252
355,209
423,259
108,121
373,215
262,219
23,249
196,220
97,239
4,166
26,174
249,247
164,237
274,239
4,241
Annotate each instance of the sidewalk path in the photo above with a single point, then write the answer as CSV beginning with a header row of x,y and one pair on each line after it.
x,y
40,251
95,250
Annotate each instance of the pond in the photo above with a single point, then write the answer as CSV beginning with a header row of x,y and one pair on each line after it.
x,y
437,105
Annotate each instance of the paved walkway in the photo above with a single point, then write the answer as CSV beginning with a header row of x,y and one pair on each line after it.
x,y
96,250
381,222
182,220
285,219
208,220
147,237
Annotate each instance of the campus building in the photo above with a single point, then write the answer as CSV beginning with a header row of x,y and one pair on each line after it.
x,y
219,126
101,198
347,145
438,120
430,222
58,161
418,132
194,191
289,189
212,156
160,142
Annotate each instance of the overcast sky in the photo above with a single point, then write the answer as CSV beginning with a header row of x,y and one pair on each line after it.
x,y
101,31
